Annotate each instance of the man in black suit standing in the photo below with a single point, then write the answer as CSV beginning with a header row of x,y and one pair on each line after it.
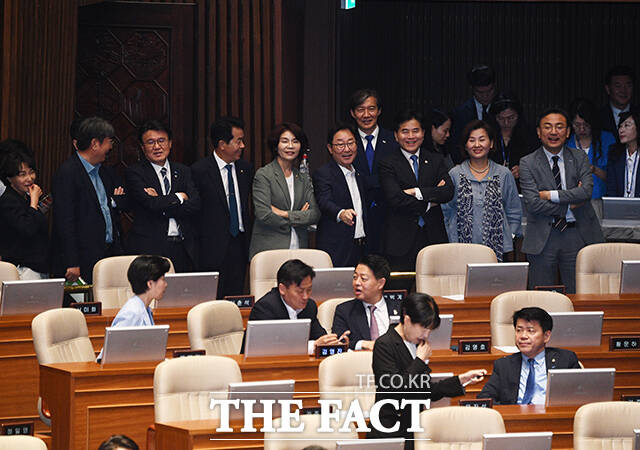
x,y
339,190
415,182
88,197
374,144
223,180
163,199
521,378
618,84
369,315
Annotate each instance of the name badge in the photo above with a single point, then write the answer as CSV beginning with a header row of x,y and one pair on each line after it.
x,y
394,319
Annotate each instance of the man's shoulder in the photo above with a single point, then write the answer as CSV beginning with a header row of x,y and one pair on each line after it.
x,y
325,170
201,165
347,307
69,165
530,158
562,352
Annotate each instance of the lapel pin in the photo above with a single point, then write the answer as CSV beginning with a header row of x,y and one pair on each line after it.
x,y
426,162
384,142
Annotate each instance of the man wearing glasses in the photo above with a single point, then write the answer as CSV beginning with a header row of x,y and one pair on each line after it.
x,y
556,184
163,199
340,193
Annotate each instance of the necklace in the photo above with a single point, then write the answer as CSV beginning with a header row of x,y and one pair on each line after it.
x,y
479,171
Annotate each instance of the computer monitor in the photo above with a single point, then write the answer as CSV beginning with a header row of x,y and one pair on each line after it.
x,y
185,290
260,390
31,296
277,337
521,441
620,211
436,378
576,329
135,344
335,282
570,387
630,277
440,338
491,279
371,444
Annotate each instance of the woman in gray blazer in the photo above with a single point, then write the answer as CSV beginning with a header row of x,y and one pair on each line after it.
x,y
279,222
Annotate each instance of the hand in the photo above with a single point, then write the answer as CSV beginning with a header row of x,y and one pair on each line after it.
x,y
545,195
515,171
279,212
368,345
151,191
119,191
576,205
472,376
184,196
441,183
305,207
424,350
410,191
73,273
332,339
347,216
34,195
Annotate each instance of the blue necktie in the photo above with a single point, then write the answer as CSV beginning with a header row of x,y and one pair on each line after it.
x,y
234,224
165,181
368,152
414,158
531,383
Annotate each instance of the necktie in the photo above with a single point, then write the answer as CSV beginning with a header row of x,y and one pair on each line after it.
x,y
165,181
531,383
556,172
485,111
234,224
374,324
414,158
368,152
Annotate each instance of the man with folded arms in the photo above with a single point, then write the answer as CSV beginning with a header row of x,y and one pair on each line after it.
x,y
521,378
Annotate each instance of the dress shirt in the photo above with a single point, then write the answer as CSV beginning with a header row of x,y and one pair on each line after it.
x,y
382,318
293,315
555,197
2,188
540,367
479,109
630,174
294,243
363,137
224,174
417,193
413,349
352,184
173,225
617,112
98,186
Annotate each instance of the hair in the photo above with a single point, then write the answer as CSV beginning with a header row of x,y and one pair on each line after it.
x,y
552,110
12,154
146,268
293,272
339,126
118,441
421,309
619,71
481,75
93,128
222,129
618,149
438,117
471,127
407,115
359,97
153,125
534,314
73,128
378,265
274,137
585,108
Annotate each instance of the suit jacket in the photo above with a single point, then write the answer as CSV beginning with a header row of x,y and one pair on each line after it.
x,y
401,226
462,115
78,224
504,382
151,214
213,219
271,231
332,194
535,176
608,122
352,316
616,169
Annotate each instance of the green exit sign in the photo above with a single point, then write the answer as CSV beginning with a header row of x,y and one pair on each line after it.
x,y
347,4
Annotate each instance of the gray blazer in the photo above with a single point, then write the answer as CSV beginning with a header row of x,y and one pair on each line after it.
x,y
535,176
271,231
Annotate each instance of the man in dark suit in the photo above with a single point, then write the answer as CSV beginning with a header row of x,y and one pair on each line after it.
x,y
513,381
163,199
369,315
414,181
556,185
339,190
618,84
223,180
374,144
290,300
88,197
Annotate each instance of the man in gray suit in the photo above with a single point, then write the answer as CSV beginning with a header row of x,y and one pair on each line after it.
x,y
556,185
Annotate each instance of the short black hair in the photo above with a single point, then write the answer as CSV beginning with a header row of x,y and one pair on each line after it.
x,y
481,75
438,117
93,128
274,137
74,127
339,126
619,71
10,163
153,125
118,441
146,268
471,127
421,309
222,129
534,314
359,97
293,272
407,115
378,265
553,110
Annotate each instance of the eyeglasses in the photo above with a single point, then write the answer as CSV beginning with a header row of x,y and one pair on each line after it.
x,y
558,127
153,142
341,145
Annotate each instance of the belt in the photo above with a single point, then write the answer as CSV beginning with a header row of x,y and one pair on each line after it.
x,y
175,239
561,224
360,241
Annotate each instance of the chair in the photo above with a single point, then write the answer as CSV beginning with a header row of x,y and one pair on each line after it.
x,y
598,266
441,269
439,426
341,376
110,283
22,443
326,310
264,266
290,441
8,272
504,305
215,327
605,425
183,387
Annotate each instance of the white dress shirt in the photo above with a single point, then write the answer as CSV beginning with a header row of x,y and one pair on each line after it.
x,y
174,230
352,184
363,138
555,197
382,318
617,112
630,174
224,174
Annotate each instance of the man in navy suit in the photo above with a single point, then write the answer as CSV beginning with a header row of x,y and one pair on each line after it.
x,y
374,144
521,378
618,84
339,190
369,314
223,180
163,199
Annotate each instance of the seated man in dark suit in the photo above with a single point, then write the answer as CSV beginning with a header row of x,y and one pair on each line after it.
x,y
369,315
512,380
290,300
